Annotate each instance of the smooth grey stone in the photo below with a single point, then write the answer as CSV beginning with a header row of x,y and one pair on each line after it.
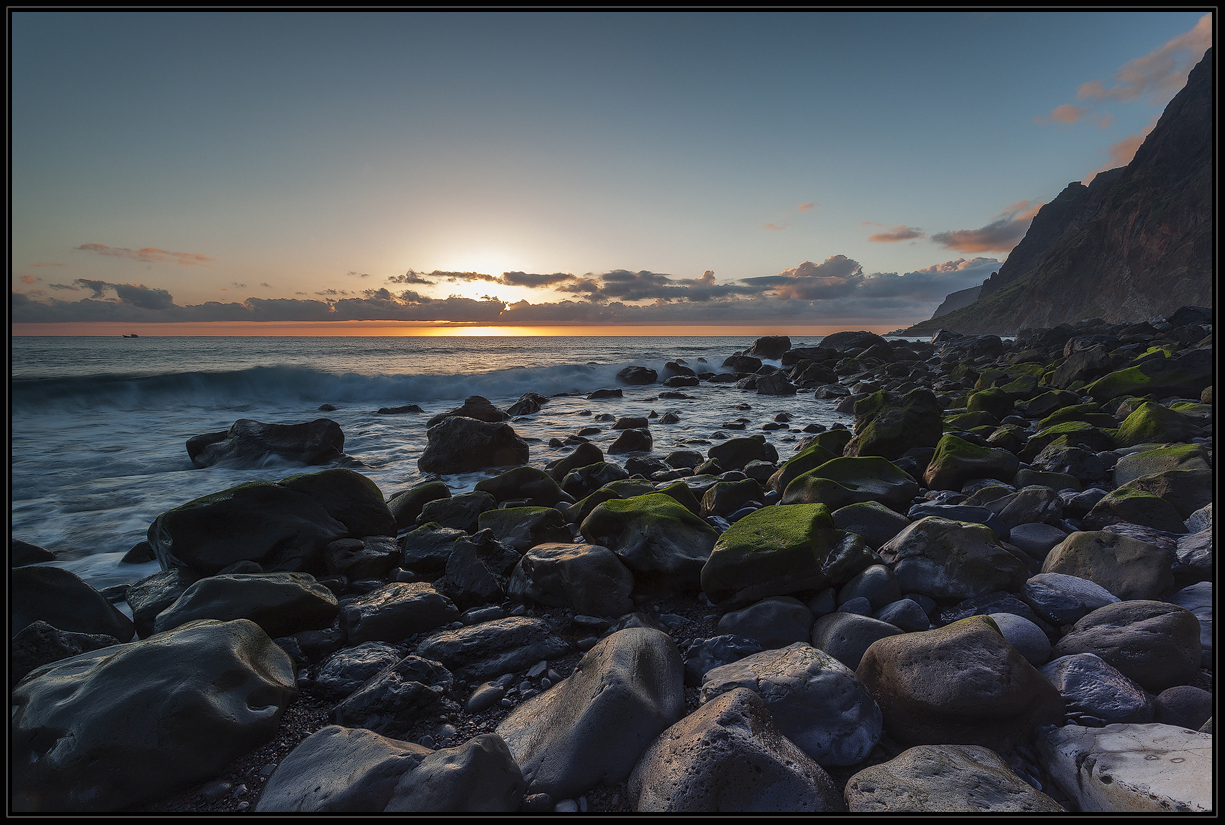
x,y
1184,706
774,622
1198,599
846,636
859,605
702,655
1028,639
1036,538
876,583
1063,600
492,648
1093,687
904,614
351,770
729,755
816,701
625,691
349,668
63,599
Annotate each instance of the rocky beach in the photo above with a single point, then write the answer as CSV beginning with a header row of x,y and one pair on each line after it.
x,y
990,590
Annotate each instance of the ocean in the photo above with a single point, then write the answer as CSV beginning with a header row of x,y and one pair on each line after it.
x,y
99,424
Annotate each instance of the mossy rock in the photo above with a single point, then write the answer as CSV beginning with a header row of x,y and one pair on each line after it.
x,y
1152,423
406,506
684,494
1047,403
995,401
781,551
834,440
1056,481
525,527
655,536
1068,434
865,478
887,425
1186,375
530,483
1134,506
810,458
1008,437
584,455
578,511
1090,414
970,420
727,497
1160,460
957,461
989,378
630,487
1186,490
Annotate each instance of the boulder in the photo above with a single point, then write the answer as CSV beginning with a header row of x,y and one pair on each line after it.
x,y
1062,599
1198,599
947,559
773,622
656,537
249,442
1126,567
41,644
280,603
770,347
866,478
478,570
373,557
525,527
350,770
1155,644
1185,376
1131,506
393,700
347,669
1090,686
961,684
63,600
459,512
807,459
459,444
405,507
1150,769
779,551
847,636
1185,490
588,578
729,756
1151,423
1159,460
114,728
23,553
593,726
267,523
944,779
734,453
474,406
888,424
957,461
584,455
632,441
637,375
530,484
395,611
350,498
872,520
489,649
427,548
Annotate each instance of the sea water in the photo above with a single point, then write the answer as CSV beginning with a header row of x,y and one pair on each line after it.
x,y
99,425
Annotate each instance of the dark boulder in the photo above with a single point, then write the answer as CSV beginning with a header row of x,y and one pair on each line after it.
x,y
248,442
459,444
474,406
64,600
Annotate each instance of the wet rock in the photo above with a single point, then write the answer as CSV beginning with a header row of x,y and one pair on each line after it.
x,y
343,770
280,603
586,577
729,756
459,444
492,648
1092,687
395,611
64,600
247,442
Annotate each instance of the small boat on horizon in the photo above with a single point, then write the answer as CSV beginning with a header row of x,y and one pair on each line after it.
x,y
133,335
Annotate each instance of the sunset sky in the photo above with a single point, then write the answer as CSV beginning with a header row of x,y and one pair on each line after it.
x,y
620,172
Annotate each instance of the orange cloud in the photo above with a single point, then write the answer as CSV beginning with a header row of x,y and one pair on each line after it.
x,y
147,255
48,264
804,207
29,279
897,233
775,227
1159,74
1066,113
1001,235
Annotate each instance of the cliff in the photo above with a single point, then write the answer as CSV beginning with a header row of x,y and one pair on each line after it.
x,y
1135,243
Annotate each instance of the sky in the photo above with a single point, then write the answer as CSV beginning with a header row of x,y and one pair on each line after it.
x,y
618,173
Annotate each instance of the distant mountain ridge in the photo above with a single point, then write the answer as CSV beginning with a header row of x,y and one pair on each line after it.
x,y
1135,243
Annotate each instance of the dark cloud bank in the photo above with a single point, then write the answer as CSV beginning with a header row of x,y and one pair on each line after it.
x,y
835,290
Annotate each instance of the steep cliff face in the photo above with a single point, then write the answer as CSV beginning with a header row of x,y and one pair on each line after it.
x,y
1131,246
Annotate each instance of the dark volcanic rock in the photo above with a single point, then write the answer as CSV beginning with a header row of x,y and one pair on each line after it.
x,y
474,406
64,600
247,442
459,444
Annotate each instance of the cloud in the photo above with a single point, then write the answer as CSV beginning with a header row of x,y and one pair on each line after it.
x,y
1159,74
897,233
143,296
147,255
804,207
1066,113
623,285
837,276
463,276
48,264
775,226
269,286
534,280
410,277
359,274
1001,235
29,279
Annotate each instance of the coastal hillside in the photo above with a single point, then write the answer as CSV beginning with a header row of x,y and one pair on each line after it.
x,y
1135,243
